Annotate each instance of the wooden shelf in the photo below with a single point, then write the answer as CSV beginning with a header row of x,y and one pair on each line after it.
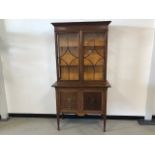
x,y
69,66
78,66
69,47
93,46
83,46
95,65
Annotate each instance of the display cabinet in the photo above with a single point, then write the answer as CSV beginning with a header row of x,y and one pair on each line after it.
x,y
81,60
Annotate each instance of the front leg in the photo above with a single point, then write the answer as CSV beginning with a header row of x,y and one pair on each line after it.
x,y
104,123
58,121
62,116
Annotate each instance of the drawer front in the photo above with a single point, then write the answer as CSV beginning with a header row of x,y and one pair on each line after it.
x,y
69,100
92,101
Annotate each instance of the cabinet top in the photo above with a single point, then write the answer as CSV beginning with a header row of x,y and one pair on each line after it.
x,y
81,23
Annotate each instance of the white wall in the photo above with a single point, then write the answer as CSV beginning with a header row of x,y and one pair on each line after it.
x,y
130,51
3,102
150,103
29,66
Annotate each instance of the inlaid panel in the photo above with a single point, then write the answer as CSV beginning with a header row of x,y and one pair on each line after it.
x,y
92,101
69,100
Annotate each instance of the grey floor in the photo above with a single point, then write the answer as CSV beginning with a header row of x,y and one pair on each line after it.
x,y
47,126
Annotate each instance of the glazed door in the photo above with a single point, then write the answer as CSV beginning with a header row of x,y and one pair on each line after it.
x,y
94,50
68,56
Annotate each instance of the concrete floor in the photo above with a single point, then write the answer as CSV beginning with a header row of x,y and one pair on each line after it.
x,y
47,126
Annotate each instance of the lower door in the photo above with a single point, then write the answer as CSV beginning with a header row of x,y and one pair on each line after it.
x,y
92,101
69,100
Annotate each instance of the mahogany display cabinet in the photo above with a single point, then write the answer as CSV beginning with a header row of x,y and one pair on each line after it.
x,y
81,61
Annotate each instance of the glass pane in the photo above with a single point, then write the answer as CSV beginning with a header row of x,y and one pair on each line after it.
x,y
68,56
94,48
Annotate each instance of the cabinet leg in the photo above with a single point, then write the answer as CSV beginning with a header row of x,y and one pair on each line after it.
x,y
58,121
104,123
62,116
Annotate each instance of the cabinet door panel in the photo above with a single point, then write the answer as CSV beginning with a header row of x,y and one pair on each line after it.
x,y
68,56
69,100
94,47
92,101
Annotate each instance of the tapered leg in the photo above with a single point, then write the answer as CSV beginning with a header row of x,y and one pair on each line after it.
x,y
104,124
58,121
62,116
58,110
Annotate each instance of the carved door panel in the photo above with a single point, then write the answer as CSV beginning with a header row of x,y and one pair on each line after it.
x,y
69,100
92,101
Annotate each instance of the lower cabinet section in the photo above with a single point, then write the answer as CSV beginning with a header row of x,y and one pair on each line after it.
x,y
81,102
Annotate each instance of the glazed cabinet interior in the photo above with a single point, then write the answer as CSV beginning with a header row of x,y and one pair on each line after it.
x,y
81,51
